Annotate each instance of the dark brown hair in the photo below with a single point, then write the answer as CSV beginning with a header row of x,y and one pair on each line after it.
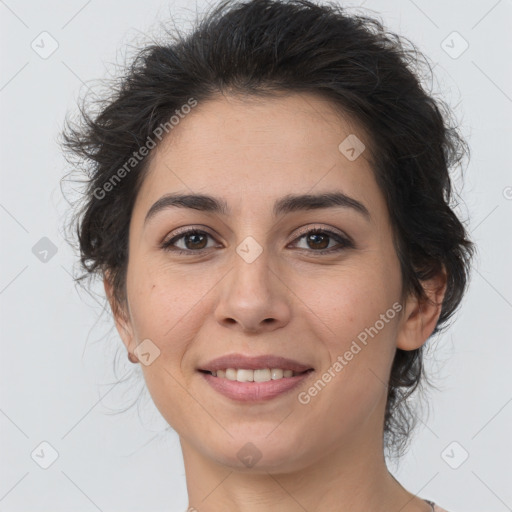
x,y
265,47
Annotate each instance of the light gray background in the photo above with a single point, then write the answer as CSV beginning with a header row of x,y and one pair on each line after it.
x,y
57,382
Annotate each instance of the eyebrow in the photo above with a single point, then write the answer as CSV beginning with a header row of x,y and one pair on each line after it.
x,y
285,205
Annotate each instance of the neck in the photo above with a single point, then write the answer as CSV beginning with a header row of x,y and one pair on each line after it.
x,y
346,479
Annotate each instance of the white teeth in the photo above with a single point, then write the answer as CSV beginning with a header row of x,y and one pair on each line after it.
x,y
277,373
230,374
245,375
260,375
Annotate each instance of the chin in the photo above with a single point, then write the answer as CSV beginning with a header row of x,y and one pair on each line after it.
x,y
259,454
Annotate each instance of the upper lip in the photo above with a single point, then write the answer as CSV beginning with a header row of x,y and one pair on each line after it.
x,y
240,361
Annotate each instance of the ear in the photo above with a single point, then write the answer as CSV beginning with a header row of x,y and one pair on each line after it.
x,y
420,317
121,317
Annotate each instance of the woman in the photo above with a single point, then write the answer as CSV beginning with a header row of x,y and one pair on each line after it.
x,y
268,205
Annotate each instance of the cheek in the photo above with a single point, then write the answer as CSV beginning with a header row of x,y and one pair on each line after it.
x,y
164,303
356,313
345,302
166,308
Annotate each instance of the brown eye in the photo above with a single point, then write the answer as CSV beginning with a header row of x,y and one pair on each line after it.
x,y
193,240
318,240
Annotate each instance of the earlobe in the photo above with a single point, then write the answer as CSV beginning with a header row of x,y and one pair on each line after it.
x,y
120,318
420,316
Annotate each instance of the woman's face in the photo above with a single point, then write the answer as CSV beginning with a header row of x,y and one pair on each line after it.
x,y
253,283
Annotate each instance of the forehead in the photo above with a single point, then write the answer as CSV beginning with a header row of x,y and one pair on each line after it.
x,y
253,151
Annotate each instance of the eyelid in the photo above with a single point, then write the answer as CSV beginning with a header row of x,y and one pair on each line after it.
x,y
308,227
301,231
184,230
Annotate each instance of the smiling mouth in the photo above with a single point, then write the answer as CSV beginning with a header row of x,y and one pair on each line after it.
x,y
258,375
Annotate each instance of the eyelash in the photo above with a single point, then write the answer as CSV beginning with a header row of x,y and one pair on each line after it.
x,y
345,242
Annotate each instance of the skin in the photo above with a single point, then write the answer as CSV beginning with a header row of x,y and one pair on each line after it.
x,y
321,456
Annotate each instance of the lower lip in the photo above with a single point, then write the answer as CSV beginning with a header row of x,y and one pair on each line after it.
x,y
254,391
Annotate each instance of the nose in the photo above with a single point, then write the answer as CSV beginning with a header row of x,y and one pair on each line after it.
x,y
253,297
